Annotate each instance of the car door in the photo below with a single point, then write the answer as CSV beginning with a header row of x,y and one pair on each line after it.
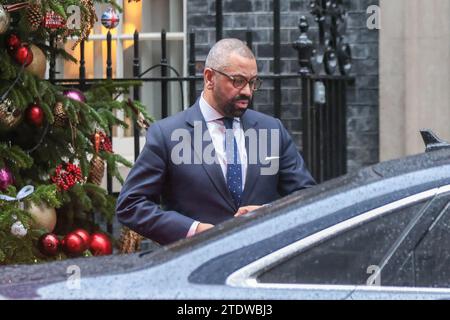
x,y
431,254
359,252
419,263
407,262
348,253
422,258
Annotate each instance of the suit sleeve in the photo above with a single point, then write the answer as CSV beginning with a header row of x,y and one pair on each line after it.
x,y
138,203
293,174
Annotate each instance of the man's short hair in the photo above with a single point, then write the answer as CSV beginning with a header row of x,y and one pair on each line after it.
x,y
221,51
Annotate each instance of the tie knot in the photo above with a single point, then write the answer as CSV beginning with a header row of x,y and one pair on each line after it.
x,y
228,122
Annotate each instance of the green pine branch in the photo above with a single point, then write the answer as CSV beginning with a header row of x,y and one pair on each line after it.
x,y
33,152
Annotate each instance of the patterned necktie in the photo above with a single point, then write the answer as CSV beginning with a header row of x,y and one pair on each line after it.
x,y
234,169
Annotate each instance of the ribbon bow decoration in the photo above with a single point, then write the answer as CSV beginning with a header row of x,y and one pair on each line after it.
x,y
23,193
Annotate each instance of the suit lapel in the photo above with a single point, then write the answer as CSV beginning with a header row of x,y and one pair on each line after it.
x,y
197,123
253,169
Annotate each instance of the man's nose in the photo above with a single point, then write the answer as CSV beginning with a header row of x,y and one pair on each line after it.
x,y
247,90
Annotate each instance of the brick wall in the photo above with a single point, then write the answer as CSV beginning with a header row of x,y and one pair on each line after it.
x,y
241,15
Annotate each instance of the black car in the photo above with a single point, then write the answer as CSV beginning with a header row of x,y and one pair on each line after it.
x,y
380,233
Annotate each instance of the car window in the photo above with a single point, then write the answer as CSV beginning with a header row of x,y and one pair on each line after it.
x,y
432,255
349,258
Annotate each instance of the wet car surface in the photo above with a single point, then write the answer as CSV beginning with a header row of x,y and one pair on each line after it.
x,y
379,233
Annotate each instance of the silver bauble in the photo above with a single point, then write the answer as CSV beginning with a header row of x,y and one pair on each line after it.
x,y
18,229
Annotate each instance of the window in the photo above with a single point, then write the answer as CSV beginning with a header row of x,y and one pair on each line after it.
x,y
148,17
345,259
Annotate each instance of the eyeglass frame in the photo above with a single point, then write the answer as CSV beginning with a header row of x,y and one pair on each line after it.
x,y
233,79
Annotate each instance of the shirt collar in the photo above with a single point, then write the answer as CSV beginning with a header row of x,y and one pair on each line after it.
x,y
209,113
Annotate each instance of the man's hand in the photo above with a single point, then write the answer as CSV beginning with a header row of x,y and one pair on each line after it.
x,y
244,210
203,227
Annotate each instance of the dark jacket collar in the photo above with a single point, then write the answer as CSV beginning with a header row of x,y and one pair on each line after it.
x,y
194,114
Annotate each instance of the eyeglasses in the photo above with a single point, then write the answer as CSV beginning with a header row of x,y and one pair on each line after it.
x,y
239,82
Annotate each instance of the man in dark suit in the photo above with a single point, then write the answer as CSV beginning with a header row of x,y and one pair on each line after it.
x,y
216,160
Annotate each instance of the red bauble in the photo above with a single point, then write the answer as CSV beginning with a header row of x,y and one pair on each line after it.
x,y
23,55
13,42
35,115
49,244
100,244
86,237
73,244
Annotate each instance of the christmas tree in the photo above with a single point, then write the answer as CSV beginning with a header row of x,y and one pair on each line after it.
x,y
54,140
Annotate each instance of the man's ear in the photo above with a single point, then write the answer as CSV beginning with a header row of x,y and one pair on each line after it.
x,y
208,75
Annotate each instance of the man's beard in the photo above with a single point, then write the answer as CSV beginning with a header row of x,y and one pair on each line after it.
x,y
232,111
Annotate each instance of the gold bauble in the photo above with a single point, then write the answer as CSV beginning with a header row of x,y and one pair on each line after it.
x,y
43,216
39,64
10,116
5,20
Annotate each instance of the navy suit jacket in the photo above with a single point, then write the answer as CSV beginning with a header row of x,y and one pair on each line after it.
x,y
161,198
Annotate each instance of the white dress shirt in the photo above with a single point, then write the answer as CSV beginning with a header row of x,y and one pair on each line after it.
x,y
217,131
